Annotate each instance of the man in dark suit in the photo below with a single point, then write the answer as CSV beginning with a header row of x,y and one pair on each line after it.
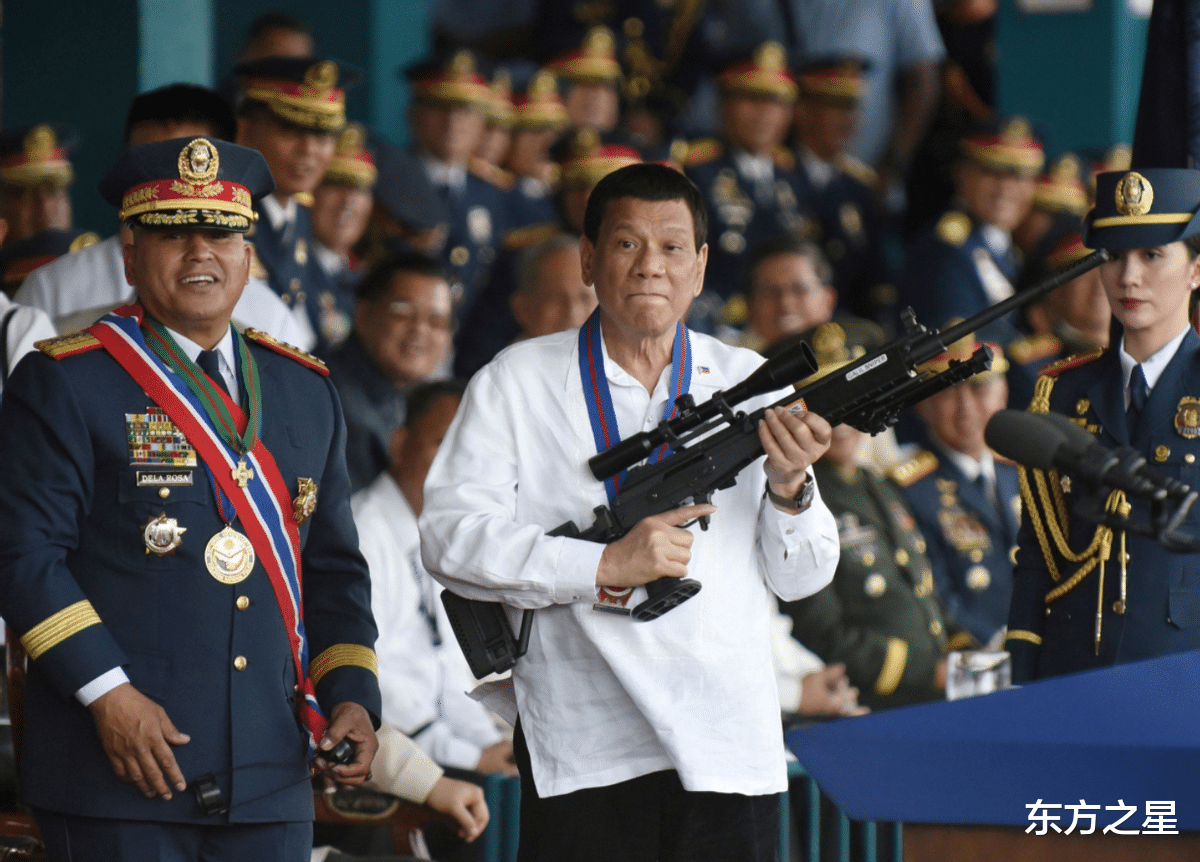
x,y
153,554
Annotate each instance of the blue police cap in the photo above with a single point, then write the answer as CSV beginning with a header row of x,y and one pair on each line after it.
x,y
190,183
305,91
405,191
1143,208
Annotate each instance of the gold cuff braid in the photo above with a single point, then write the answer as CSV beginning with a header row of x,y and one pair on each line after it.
x,y
893,667
342,655
56,628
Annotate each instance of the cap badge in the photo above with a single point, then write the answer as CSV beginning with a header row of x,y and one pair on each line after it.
x,y
1187,418
599,42
1015,131
198,162
769,57
462,63
351,139
1134,194
40,142
543,85
321,76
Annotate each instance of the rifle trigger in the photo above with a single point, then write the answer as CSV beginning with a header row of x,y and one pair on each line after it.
x,y
701,499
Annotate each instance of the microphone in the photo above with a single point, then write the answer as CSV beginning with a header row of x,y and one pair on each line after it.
x,y
1046,441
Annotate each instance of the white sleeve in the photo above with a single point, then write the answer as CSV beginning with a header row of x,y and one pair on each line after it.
x,y
798,553
471,541
28,325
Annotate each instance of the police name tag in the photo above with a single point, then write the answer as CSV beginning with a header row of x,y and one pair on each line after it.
x,y
154,479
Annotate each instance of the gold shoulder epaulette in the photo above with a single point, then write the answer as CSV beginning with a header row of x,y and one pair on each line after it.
x,y
257,268
1057,368
524,237
953,228
784,158
915,468
497,176
67,345
701,151
861,171
1031,348
305,199
269,342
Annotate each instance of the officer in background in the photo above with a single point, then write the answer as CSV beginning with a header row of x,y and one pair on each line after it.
x,y
19,259
152,553
966,500
591,75
968,261
1070,319
403,320
35,179
747,177
881,616
848,218
342,207
497,134
447,117
291,111
539,117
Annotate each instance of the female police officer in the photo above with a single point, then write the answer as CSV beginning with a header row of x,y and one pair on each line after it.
x,y
1088,596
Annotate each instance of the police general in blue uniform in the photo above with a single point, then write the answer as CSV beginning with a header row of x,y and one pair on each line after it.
x,y
1078,601
151,546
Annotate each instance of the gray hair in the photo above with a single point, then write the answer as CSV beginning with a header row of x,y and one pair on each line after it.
x,y
532,258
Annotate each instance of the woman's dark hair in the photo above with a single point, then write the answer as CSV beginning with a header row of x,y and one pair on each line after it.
x,y
645,182
423,396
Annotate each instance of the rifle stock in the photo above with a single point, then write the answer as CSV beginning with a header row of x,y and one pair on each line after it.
x,y
868,393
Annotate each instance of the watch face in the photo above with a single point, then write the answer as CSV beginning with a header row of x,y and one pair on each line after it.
x,y
806,492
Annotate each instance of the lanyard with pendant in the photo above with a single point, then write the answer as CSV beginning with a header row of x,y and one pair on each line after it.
x,y
603,418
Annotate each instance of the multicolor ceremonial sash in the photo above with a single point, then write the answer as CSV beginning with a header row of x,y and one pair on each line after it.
x,y
598,397
261,501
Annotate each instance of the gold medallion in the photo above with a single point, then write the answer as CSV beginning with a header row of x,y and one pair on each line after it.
x,y
1134,195
162,535
229,556
306,500
199,162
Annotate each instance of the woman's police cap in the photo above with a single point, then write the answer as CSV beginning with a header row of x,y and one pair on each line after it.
x,y
1143,208
188,183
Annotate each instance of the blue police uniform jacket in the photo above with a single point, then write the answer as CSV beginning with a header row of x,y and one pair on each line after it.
x,y
72,515
945,275
479,218
290,264
1154,607
737,220
849,229
970,539
374,409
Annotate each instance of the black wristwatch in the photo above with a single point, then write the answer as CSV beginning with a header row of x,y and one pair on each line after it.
x,y
800,502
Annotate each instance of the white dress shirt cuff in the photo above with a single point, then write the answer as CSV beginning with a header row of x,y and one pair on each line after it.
x,y
575,574
101,686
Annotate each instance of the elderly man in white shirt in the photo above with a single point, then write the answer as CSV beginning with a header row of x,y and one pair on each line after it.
x,y
637,740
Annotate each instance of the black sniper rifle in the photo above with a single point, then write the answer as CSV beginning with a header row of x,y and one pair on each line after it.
x,y
867,394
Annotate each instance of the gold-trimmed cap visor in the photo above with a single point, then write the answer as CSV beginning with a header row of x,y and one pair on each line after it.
x,y
1007,147
586,169
1143,208
766,75
37,156
195,183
